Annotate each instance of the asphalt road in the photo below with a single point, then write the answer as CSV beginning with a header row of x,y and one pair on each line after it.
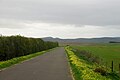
x,y
52,65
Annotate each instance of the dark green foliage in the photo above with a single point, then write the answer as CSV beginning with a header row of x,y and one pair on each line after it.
x,y
15,46
87,55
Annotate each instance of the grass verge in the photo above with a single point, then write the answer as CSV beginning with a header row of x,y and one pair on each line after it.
x,y
8,63
83,70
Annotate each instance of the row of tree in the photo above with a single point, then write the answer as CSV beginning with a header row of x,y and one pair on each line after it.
x,y
15,46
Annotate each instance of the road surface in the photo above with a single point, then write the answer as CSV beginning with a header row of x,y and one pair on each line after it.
x,y
52,65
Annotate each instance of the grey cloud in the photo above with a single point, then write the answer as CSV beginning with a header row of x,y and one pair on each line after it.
x,y
12,24
77,12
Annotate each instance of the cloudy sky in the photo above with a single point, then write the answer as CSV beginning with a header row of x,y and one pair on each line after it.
x,y
60,18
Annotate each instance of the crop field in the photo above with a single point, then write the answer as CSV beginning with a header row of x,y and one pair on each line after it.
x,y
106,52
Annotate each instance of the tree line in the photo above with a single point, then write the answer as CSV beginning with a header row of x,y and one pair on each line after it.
x,y
114,42
15,46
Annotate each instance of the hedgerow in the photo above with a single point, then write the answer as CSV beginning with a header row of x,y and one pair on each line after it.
x,y
16,46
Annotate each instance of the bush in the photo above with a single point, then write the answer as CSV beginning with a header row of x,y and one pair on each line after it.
x,y
88,56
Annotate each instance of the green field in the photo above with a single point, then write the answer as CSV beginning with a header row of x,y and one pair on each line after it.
x,y
83,69
106,52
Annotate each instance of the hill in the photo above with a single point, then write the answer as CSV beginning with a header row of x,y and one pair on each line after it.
x,y
84,40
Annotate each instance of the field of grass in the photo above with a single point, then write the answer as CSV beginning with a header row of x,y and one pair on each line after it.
x,y
106,52
84,70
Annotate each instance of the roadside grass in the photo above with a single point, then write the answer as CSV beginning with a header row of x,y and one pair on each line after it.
x,y
8,63
84,70
106,52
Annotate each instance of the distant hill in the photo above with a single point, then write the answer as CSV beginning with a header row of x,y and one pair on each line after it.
x,y
84,40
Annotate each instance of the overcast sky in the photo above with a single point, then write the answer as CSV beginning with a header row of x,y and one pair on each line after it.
x,y
60,18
